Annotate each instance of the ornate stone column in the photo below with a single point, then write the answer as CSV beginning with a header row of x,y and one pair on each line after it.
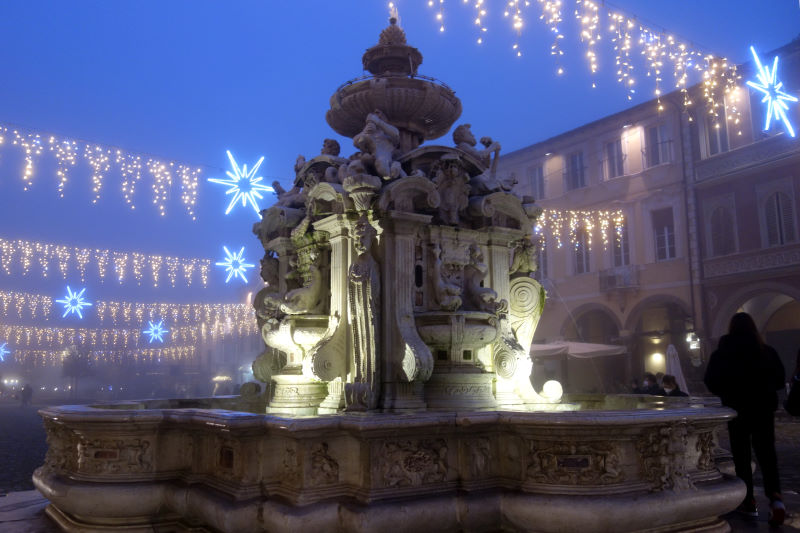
x,y
332,357
409,362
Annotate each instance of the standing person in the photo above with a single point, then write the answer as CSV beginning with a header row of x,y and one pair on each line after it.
x,y
670,385
746,373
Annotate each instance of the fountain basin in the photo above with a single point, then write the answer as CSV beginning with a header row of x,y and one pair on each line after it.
x,y
142,465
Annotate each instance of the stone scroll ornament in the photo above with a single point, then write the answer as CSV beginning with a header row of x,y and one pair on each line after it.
x,y
363,295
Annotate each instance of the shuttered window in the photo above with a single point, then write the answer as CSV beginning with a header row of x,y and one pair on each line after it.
x,y
664,234
573,171
622,253
536,177
723,240
779,218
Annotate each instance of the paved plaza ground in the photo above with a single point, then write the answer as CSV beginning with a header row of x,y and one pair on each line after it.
x,y
23,446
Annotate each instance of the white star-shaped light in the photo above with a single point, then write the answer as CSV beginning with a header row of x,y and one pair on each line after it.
x,y
774,96
156,331
74,302
4,351
234,264
244,185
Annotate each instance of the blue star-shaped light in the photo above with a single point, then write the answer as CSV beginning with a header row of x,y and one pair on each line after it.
x,y
234,264
156,331
74,302
4,351
775,98
243,185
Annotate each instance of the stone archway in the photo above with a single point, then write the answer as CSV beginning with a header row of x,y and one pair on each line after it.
x,y
775,308
590,323
653,324
760,298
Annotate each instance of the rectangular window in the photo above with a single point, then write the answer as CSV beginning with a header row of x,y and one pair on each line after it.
x,y
574,171
614,159
664,234
582,253
622,253
716,134
536,178
658,145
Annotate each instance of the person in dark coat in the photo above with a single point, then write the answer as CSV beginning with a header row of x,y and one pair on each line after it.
x,y
746,373
670,386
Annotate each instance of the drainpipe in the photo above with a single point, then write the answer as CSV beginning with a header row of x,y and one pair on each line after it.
x,y
692,241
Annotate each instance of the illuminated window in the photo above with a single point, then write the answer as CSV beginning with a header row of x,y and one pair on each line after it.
x,y
614,159
574,177
658,146
582,252
664,233
779,219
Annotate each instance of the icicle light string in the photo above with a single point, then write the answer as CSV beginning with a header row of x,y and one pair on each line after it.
x,y
26,305
101,160
19,255
58,337
566,226
660,51
54,357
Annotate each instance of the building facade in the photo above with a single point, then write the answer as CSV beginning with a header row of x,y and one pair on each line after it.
x,y
710,227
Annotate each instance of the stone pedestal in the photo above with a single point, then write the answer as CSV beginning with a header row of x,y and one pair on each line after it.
x,y
295,394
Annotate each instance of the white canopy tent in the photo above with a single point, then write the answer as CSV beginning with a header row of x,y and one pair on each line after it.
x,y
578,350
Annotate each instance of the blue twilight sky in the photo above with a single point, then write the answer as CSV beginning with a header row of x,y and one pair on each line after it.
x,y
188,80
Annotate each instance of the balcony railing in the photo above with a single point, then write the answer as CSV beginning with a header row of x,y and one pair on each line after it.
x,y
619,278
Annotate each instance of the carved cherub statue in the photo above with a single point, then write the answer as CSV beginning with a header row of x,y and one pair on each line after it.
x,y
477,296
378,140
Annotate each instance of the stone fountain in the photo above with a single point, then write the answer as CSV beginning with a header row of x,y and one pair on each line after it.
x,y
398,313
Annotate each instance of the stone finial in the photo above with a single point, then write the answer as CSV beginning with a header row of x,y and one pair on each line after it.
x,y
392,34
392,55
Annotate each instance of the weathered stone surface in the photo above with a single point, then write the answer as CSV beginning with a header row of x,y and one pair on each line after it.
x,y
227,470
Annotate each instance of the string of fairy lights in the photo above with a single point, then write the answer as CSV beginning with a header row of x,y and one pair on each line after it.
x,y
565,225
24,305
20,256
640,50
103,160
54,357
58,337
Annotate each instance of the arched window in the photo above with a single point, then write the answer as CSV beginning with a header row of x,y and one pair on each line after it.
x,y
723,240
779,219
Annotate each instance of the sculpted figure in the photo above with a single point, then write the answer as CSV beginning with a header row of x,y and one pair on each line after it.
x,y
364,289
487,182
476,296
524,257
330,147
304,299
448,294
378,140
453,185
